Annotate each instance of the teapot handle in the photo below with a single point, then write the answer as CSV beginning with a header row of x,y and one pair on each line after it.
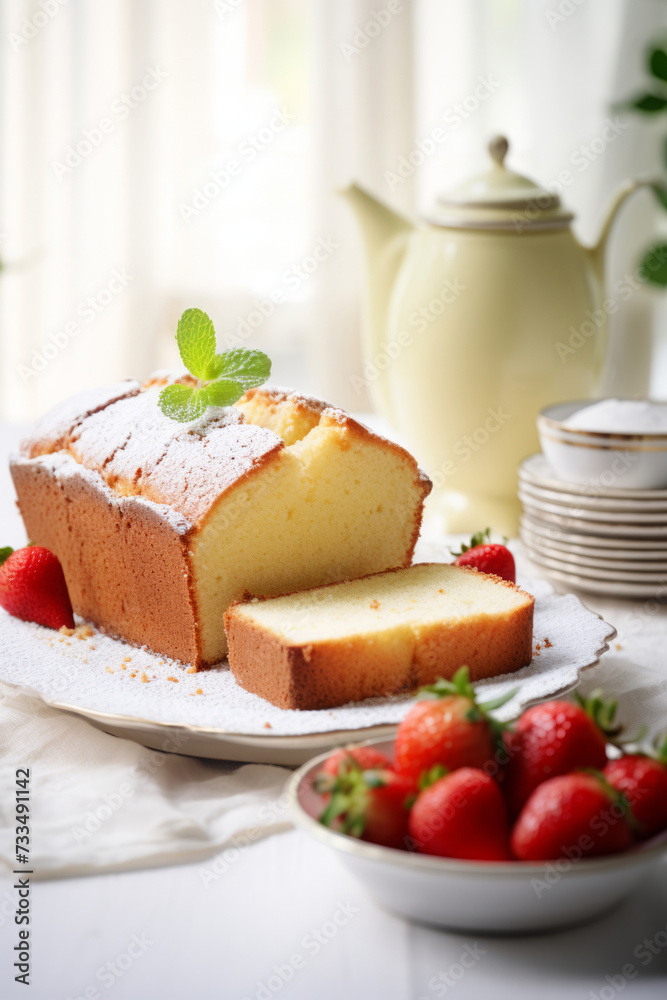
x,y
598,251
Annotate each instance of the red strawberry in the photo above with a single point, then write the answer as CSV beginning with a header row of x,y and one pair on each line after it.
x,y
574,815
487,556
555,738
32,587
643,781
462,815
371,805
451,730
367,758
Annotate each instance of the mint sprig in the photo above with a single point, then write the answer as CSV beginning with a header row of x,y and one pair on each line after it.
x,y
221,378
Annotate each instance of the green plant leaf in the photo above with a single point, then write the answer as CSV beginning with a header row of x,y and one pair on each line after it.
x,y
653,265
183,403
224,392
657,63
648,103
250,368
5,553
195,337
660,191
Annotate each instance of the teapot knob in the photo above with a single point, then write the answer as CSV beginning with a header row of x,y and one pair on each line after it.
x,y
498,148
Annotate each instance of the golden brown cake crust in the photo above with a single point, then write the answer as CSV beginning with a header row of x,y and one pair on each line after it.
x,y
126,565
119,492
331,673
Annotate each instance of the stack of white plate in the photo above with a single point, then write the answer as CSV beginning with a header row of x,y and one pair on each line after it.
x,y
606,541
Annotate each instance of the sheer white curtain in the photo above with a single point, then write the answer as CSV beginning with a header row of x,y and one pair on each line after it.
x,y
158,154
155,155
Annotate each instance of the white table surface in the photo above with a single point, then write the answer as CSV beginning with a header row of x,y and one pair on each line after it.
x,y
225,939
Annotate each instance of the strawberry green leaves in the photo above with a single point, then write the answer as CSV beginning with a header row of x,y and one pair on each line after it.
x,y
222,378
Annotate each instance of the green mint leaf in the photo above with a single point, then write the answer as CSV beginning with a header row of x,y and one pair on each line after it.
x,y
224,392
248,367
214,368
195,337
5,553
182,403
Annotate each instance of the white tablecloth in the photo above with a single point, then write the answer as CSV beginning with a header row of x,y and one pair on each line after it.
x,y
192,931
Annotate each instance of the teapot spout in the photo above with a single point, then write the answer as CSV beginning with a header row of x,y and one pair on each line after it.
x,y
598,251
384,233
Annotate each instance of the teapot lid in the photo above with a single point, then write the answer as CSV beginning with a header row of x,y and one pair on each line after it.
x,y
500,199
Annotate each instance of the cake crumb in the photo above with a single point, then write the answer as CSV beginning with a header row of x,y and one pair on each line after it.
x,y
66,631
199,691
267,725
548,644
83,632
133,675
375,604
538,647
174,679
441,591
123,666
145,679
618,645
109,670
91,646
191,670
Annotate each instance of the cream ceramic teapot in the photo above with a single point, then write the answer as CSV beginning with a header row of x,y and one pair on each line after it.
x,y
475,320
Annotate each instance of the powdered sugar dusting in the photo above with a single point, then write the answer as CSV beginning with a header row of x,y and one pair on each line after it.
x,y
133,445
105,675
57,424
63,466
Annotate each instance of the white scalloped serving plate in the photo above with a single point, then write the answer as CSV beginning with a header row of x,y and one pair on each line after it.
x,y
92,678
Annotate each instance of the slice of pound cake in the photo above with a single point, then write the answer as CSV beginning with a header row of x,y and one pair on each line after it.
x,y
379,635
160,525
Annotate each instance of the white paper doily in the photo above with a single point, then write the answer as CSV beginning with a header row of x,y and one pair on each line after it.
x,y
98,674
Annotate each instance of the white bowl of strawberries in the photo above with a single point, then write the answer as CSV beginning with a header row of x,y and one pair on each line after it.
x,y
463,824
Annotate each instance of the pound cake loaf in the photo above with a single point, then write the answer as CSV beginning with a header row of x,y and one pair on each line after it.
x,y
379,635
160,525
